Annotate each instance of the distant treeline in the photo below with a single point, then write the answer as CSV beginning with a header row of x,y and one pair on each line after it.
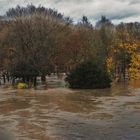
x,y
36,41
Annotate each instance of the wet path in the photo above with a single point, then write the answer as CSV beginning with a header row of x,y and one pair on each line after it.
x,y
62,114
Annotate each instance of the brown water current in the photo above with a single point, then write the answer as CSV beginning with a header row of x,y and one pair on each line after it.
x,y
64,114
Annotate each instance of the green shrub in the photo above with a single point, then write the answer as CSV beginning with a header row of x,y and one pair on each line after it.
x,y
22,86
89,75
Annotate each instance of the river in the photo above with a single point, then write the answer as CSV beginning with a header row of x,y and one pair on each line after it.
x,y
64,114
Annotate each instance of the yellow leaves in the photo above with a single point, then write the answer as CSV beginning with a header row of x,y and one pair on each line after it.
x,y
135,61
128,47
134,70
135,75
126,43
125,54
109,62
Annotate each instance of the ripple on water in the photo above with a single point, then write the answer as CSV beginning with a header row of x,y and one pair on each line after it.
x,y
62,114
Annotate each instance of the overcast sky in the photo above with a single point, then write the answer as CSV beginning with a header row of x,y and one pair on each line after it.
x,y
115,10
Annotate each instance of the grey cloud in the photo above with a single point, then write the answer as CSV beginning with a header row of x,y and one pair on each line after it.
x,y
116,10
134,1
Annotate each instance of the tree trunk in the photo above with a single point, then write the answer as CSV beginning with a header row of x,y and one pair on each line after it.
x,y
7,76
23,79
13,82
43,79
35,82
4,79
28,81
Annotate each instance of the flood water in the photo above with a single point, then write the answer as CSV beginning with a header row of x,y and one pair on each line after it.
x,y
64,114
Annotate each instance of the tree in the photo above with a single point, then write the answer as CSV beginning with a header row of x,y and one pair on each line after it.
x,y
134,67
89,75
85,23
103,22
124,47
77,47
36,41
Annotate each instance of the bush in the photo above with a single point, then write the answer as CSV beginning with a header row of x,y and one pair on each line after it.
x,y
22,86
89,75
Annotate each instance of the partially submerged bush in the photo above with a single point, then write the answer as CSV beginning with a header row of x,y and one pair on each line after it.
x,y
22,86
89,75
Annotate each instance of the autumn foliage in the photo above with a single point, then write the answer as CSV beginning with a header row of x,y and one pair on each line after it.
x,y
36,41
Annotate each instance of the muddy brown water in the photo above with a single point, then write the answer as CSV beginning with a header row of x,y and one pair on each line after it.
x,y
64,114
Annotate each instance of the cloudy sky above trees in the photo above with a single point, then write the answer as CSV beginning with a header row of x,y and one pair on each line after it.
x,y
115,10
